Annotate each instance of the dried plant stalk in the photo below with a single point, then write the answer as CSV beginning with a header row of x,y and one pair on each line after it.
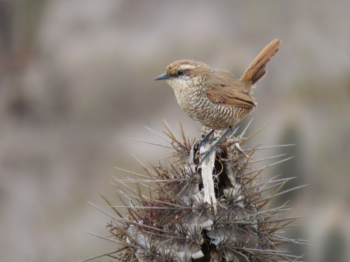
x,y
177,222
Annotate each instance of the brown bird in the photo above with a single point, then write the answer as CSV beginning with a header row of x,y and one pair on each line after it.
x,y
213,97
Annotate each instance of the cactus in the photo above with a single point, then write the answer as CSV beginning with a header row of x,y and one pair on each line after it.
x,y
189,215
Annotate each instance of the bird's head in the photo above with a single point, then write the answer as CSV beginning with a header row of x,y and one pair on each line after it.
x,y
185,73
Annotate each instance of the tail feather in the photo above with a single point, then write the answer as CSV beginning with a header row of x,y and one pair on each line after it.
x,y
257,69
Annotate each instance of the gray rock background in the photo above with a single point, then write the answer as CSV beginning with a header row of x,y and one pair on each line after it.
x,y
76,81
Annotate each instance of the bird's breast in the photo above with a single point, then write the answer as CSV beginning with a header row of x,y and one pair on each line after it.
x,y
187,92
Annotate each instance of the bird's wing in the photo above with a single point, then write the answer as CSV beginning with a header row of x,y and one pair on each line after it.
x,y
230,96
225,89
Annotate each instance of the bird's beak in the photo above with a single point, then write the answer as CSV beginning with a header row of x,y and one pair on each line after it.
x,y
162,76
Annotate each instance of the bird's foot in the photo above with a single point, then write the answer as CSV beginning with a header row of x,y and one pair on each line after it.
x,y
207,139
214,146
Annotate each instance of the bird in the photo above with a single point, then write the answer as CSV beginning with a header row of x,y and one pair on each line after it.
x,y
213,97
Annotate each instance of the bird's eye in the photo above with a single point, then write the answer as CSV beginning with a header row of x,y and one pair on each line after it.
x,y
180,72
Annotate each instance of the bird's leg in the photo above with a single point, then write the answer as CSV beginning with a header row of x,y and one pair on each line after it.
x,y
206,139
211,150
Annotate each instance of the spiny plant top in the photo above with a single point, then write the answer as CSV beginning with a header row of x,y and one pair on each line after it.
x,y
173,223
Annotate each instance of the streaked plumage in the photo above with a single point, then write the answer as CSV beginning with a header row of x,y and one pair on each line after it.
x,y
213,97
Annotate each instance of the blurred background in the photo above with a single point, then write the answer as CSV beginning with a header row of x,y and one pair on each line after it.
x,y
76,82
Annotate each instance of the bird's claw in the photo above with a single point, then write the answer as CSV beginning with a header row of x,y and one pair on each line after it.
x,y
207,139
213,148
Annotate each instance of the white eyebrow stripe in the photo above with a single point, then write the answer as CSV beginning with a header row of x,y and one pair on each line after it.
x,y
187,67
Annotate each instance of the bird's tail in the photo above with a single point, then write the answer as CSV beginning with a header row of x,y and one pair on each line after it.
x,y
257,69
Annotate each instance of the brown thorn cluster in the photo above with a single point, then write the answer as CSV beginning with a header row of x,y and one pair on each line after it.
x,y
173,223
